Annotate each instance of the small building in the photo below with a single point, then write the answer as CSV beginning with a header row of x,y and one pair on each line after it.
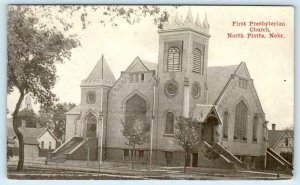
x,y
282,142
37,142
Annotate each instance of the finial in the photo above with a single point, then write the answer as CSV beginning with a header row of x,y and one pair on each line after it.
x,y
177,21
189,18
198,23
205,22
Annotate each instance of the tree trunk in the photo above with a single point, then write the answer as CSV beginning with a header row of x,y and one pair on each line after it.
x,y
185,160
18,133
133,157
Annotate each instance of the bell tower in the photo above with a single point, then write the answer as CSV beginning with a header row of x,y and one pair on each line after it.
x,y
182,64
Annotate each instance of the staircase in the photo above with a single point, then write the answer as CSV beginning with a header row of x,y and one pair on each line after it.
x,y
274,161
86,150
220,157
239,165
59,153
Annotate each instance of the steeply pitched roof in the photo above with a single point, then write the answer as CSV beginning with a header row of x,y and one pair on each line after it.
x,y
141,64
100,74
30,135
202,112
75,110
150,65
217,78
275,135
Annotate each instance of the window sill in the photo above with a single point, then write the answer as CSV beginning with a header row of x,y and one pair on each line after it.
x,y
254,142
224,139
242,141
168,135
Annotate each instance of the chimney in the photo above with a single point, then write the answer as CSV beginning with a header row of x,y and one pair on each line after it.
x,y
273,126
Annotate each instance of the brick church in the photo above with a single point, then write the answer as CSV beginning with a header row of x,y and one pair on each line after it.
x,y
223,99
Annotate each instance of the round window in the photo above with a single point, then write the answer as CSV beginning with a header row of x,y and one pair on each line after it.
x,y
196,90
171,88
91,97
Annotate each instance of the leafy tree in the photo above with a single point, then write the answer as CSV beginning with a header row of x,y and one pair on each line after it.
x,y
54,118
187,133
38,38
29,117
33,52
136,129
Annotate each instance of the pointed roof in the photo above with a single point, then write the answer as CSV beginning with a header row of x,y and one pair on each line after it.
x,y
100,75
205,21
202,112
217,78
189,17
197,22
275,136
143,65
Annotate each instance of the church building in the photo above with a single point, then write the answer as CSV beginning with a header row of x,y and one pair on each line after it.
x,y
223,99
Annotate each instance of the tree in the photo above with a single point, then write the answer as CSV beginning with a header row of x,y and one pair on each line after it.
x,y
33,51
54,118
136,129
29,117
38,39
188,135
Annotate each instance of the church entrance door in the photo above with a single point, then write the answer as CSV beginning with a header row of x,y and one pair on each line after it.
x,y
208,131
91,125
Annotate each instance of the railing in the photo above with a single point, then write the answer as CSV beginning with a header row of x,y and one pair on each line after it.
x,y
279,158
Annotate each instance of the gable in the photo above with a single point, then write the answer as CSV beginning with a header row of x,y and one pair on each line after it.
x,y
136,66
233,89
46,136
243,72
281,142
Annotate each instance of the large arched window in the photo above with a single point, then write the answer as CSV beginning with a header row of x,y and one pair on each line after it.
x,y
225,124
135,108
197,61
169,123
255,124
174,63
91,125
241,119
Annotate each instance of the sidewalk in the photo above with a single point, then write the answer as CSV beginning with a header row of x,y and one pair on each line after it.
x,y
142,171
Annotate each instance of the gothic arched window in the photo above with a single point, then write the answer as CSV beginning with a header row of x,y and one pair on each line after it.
x,y
255,124
169,123
91,125
240,122
197,61
136,107
174,63
225,124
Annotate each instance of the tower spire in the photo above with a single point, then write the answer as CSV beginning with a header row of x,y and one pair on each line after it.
x,y
189,21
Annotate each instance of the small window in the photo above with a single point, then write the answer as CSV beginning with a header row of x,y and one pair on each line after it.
x,y
287,141
49,144
131,77
169,123
197,61
243,83
225,125
126,153
174,61
169,158
255,124
141,153
42,144
142,77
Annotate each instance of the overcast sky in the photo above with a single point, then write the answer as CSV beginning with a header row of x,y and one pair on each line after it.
x,y
270,61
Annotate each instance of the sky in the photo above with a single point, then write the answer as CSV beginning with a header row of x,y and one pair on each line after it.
x,y
270,61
